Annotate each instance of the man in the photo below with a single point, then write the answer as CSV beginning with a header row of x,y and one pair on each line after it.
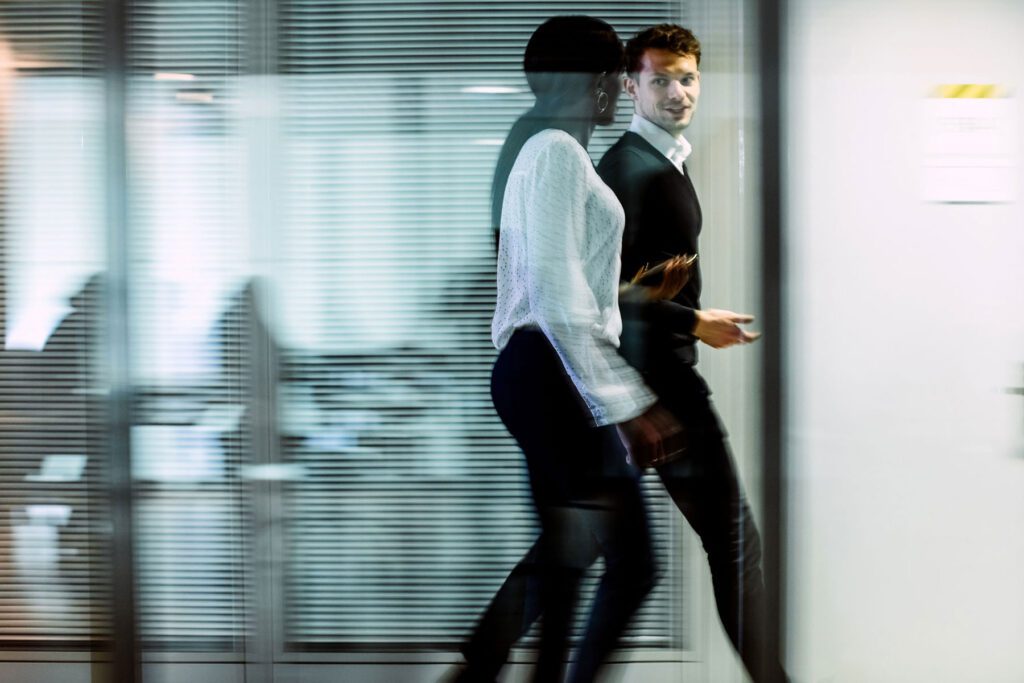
x,y
647,171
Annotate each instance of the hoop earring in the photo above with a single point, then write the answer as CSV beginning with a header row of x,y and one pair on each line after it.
x,y
602,101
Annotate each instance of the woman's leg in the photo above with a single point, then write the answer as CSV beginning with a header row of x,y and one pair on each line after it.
x,y
564,454
623,531
509,616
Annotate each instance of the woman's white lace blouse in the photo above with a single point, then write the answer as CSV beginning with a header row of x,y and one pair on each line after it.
x,y
558,270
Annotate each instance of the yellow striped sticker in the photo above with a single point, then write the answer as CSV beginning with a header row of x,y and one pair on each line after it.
x,y
969,91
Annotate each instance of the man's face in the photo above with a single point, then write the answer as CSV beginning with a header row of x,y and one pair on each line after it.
x,y
666,90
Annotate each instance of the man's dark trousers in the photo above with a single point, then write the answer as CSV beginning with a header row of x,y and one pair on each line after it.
x,y
705,487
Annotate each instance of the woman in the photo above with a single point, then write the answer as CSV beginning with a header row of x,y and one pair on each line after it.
x,y
559,384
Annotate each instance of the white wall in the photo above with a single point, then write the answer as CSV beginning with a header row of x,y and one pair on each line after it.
x,y
905,328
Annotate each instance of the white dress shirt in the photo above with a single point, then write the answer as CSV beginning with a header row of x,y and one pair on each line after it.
x,y
675,148
558,271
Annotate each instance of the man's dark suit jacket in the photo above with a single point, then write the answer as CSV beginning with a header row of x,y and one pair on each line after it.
x,y
663,219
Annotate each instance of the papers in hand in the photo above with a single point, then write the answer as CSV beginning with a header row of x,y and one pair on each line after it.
x,y
647,273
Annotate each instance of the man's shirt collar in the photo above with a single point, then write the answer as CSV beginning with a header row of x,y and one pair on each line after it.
x,y
675,149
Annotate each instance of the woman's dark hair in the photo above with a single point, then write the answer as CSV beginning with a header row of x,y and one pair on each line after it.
x,y
561,60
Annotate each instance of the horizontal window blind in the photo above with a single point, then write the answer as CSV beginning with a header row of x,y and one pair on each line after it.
x,y
311,286
189,261
53,512
414,505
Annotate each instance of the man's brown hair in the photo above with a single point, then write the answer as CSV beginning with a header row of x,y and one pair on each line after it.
x,y
661,37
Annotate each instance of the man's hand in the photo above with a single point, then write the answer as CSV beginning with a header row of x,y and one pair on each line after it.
x,y
653,437
721,329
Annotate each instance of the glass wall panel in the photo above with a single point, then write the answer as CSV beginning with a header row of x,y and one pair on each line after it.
x,y
318,469
53,510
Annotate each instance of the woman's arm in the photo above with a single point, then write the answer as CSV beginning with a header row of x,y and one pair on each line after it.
x,y
560,297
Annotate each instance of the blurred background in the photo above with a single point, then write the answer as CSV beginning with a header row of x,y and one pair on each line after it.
x,y
246,280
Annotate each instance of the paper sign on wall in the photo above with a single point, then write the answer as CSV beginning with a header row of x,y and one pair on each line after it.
x,y
970,145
